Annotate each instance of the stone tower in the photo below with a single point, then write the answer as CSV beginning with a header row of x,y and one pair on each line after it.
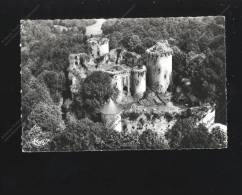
x,y
77,70
138,76
121,80
98,46
111,116
159,66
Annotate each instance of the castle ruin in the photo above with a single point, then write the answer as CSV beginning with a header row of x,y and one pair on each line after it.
x,y
129,75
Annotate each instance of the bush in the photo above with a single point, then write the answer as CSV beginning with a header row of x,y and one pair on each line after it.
x,y
151,140
155,116
130,140
218,138
168,116
131,115
111,140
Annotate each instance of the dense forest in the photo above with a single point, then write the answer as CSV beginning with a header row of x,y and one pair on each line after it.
x,y
49,110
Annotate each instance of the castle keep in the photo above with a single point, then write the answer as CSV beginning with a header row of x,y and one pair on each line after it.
x,y
159,66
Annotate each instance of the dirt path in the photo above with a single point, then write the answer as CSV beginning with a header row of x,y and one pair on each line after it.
x,y
95,29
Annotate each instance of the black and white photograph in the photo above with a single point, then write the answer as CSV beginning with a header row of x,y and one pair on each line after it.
x,y
113,84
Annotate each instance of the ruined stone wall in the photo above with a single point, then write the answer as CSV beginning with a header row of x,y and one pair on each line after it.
x,y
93,49
116,55
138,78
104,48
159,70
117,82
77,73
122,83
97,47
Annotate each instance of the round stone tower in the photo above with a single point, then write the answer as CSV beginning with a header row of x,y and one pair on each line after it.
x,y
159,66
138,77
111,116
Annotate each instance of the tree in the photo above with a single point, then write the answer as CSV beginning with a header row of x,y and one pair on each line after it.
x,y
34,31
46,116
114,39
112,140
79,135
55,83
218,138
96,91
178,64
36,92
109,26
36,140
26,77
185,134
131,42
149,42
129,140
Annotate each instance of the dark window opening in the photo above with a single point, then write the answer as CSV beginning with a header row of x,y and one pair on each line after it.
x,y
81,61
158,70
125,89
